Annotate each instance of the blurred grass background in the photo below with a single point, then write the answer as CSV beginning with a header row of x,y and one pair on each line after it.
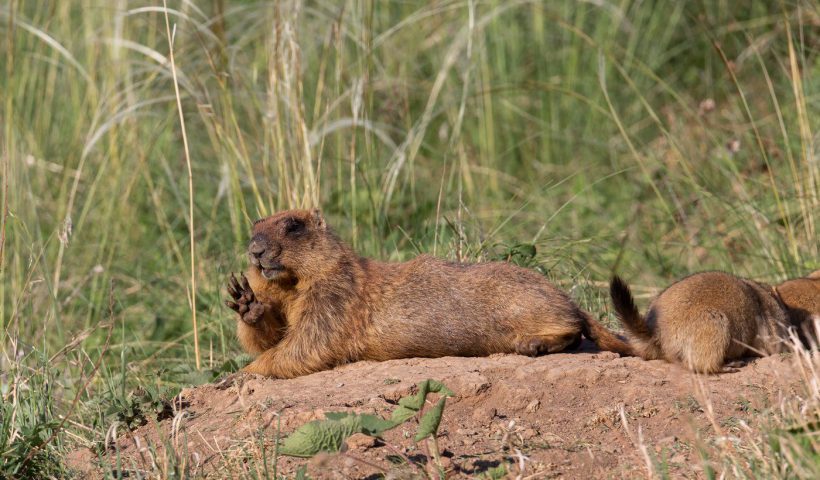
x,y
652,138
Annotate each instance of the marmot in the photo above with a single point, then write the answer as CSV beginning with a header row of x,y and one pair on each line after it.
x,y
309,303
801,296
708,319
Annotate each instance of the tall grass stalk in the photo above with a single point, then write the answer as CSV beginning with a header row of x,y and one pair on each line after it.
x,y
192,291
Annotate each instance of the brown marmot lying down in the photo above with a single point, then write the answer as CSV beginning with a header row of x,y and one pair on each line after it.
x,y
308,302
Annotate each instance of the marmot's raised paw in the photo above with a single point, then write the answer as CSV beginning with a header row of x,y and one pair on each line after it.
x,y
245,304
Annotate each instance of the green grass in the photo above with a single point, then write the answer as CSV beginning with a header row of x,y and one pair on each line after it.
x,y
457,127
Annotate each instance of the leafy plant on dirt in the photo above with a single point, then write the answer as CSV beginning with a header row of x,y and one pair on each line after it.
x,y
133,407
329,435
185,374
136,406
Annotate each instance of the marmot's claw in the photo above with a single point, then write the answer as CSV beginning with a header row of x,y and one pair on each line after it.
x,y
234,289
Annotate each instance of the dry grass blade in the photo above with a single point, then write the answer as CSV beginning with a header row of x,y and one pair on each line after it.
x,y
192,291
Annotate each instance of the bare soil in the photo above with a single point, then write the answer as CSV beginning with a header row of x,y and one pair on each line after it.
x,y
573,415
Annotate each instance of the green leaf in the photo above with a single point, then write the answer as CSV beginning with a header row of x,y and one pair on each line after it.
x,y
301,473
428,426
526,250
329,435
319,436
409,406
368,424
337,415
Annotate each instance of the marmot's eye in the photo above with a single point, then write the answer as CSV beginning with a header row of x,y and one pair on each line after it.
x,y
294,227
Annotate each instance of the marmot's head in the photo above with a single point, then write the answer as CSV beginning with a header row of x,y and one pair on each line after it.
x,y
290,245
802,297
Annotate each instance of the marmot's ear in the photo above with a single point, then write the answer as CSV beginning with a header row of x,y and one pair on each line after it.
x,y
815,275
318,219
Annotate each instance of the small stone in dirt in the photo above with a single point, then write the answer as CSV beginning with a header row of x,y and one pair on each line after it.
x,y
611,449
467,435
471,386
395,394
360,441
667,440
606,356
485,414
320,460
533,406
307,416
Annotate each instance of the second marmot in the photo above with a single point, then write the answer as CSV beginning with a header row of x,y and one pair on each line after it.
x,y
708,319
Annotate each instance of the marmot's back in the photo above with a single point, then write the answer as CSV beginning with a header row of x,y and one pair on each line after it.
x,y
433,307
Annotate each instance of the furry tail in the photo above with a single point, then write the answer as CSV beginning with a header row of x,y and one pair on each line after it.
x,y
626,310
605,338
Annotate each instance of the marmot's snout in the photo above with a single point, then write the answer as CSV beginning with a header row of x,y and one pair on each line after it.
x,y
264,254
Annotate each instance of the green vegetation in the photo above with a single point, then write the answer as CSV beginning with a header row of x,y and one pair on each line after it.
x,y
329,435
651,138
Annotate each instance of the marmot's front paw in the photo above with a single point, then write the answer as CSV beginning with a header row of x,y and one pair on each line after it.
x,y
245,304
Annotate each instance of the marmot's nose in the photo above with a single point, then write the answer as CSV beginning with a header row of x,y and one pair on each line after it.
x,y
258,246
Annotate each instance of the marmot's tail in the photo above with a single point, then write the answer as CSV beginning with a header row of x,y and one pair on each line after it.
x,y
626,310
604,338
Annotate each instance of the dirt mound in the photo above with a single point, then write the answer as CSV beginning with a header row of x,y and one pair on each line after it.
x,y
559,415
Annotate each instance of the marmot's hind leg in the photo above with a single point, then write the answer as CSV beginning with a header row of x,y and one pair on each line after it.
x,y
539,345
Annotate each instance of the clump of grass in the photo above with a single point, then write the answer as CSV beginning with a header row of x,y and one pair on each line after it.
x,y
29,419
784,445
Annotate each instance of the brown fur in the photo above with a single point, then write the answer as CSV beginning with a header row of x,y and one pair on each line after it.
x,y
311,304
708,319
801,296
